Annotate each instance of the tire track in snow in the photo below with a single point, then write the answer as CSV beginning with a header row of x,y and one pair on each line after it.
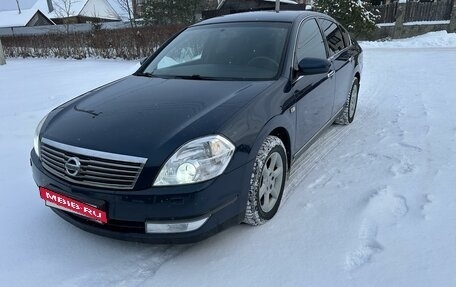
x,y
131,271
366,110
329,141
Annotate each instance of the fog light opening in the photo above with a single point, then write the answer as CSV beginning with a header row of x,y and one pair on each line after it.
x,y
175,227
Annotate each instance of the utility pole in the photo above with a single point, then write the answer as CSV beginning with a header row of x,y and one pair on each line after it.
x,y
2,55
277,7
18,6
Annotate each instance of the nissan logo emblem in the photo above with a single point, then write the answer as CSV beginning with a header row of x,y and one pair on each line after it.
x,y
72,166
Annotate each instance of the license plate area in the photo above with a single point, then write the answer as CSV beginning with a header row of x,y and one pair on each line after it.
x,y
56,200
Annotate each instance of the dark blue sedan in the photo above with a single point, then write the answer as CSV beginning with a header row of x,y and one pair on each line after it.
x,y
203,135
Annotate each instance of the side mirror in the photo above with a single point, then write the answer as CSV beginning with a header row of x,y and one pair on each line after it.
x,y
313,66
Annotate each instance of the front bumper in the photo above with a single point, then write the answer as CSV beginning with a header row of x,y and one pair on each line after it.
x,y
223,199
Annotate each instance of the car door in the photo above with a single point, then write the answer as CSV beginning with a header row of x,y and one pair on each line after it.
x,y
341,56
314,93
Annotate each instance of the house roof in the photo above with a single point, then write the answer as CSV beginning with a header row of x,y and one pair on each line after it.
x,y
100,9
118,8
74,10
89,8
10,17
76,5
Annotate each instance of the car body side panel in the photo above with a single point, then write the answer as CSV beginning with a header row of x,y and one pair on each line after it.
x,y
344,67
314,105
252,124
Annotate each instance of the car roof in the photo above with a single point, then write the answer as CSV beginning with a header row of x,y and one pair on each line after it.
x,y
267,16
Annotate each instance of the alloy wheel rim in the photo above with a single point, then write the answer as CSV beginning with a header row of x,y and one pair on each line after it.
x,y
353,100
271,182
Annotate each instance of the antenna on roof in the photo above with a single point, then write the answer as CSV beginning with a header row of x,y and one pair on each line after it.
x,y
18,7
277,8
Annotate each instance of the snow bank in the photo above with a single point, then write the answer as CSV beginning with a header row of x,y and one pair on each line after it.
x,y
429,40
437,22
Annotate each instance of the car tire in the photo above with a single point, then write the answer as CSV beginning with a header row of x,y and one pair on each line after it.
x,y
267,182
349,110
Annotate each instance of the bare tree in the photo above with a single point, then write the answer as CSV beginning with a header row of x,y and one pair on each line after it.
x,y
64,9
126,6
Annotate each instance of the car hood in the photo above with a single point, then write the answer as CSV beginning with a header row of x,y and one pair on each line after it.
x,y
148,117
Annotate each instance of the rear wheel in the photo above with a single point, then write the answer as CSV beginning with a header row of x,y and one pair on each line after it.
x,y
267,182
348,112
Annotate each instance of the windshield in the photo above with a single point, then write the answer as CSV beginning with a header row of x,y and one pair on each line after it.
x,y
234,51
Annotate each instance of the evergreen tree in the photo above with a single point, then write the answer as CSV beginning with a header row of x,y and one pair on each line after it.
x,y
353,14
171,11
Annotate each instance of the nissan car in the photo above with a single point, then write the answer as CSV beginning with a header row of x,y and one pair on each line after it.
x,y
203,135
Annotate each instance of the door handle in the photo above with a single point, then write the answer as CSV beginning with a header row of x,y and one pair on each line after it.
x,y
331,73
351,59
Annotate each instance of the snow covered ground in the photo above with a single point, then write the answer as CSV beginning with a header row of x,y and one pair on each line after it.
x,y
439,39
370,204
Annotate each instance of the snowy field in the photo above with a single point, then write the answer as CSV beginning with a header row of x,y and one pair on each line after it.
x,y
370,204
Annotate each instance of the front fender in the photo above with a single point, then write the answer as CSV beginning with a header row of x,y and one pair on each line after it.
x,y
251,125
285,121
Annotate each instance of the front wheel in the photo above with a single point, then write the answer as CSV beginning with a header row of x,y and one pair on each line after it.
x,y
348,112
267,182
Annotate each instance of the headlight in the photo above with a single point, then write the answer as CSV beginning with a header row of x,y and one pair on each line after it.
x,y
197,161
36,138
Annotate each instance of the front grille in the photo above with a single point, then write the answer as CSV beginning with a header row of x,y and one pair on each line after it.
x,y
96,168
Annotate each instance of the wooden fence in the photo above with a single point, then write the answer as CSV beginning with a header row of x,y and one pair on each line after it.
x,y
415,11
386,13
428,11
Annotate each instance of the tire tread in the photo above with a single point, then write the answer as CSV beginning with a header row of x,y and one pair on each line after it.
x,y
252,214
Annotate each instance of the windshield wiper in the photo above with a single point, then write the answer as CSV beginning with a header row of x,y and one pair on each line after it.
x,y
146,74
195,77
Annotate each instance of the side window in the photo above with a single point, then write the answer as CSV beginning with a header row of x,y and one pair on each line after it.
x,y
310,43
333,36
346,36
